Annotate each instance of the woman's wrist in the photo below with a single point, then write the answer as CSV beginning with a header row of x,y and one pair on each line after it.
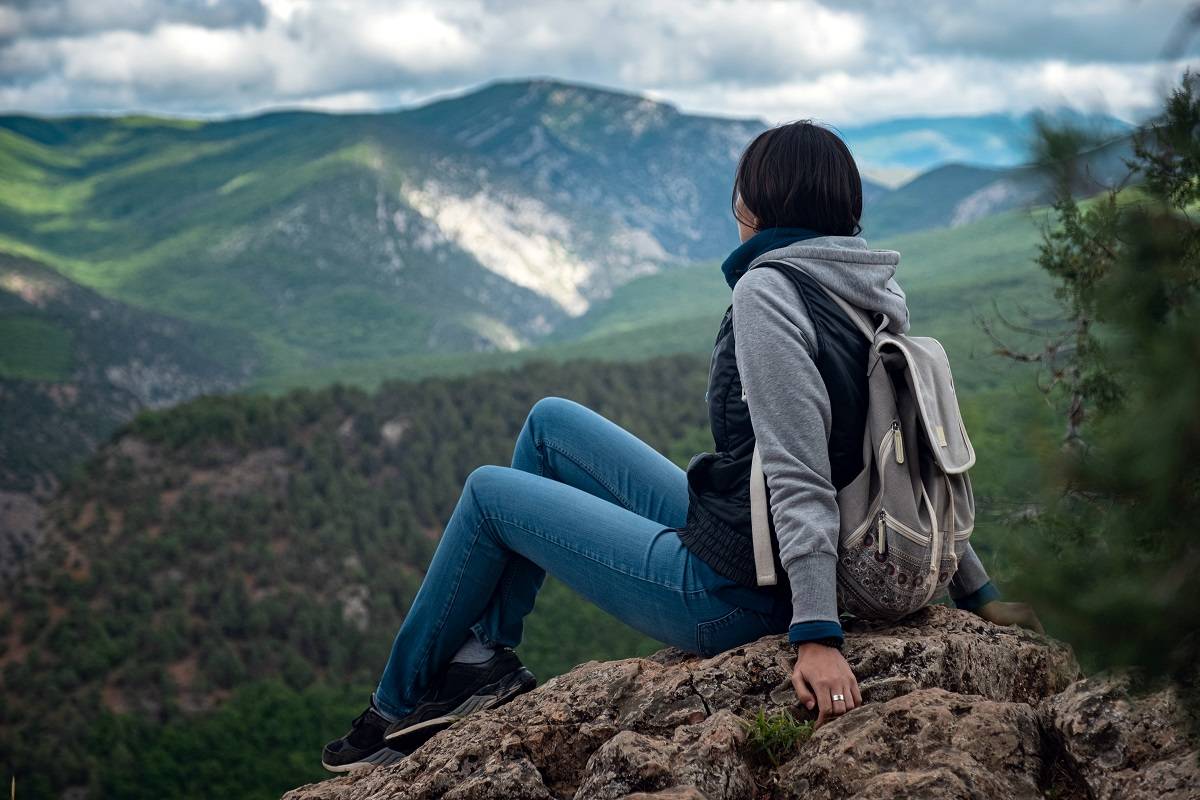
x,y
828,641
814,630
978,598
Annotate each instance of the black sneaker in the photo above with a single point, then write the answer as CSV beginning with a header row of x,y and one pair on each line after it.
x,y
363,746
464,689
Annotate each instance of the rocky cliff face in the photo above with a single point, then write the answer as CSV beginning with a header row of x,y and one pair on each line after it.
x,y
956,708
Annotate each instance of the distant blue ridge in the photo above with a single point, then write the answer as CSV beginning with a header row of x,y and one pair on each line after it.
x,y
988,140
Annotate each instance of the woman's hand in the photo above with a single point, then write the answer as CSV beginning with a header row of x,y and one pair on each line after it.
x,y
820,674
1020,614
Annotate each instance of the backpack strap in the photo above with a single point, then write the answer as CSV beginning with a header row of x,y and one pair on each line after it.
x,y
760,527
856,315
861,320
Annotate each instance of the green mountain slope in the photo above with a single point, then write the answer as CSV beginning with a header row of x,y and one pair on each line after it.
x,y
285,227
928,200
955,194
74,365
952,276
474,223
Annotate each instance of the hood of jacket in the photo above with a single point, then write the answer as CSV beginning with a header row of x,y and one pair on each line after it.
x,y
846,266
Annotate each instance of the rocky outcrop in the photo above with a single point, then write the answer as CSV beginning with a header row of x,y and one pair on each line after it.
x,y
927,743
956,708
1124,747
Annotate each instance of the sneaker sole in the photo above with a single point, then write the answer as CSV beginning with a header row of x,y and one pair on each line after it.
x,y
492,695
383,757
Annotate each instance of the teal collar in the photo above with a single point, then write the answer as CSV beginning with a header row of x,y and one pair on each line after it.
x,y
762,242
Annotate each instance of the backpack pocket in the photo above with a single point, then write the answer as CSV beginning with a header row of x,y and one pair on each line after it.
x,y
931,386
876,577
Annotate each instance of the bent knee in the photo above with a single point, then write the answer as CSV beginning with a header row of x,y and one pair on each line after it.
x,y
489,481
486,475
551,408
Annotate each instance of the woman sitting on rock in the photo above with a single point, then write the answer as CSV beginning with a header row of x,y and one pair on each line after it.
x,y
669,551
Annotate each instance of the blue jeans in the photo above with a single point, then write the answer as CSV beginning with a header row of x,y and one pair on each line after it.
x,y
593,505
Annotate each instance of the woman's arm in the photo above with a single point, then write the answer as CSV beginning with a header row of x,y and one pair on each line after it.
x,y
970,587
789,410
972,590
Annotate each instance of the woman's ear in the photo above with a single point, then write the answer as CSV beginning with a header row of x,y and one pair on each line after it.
x,y
747,224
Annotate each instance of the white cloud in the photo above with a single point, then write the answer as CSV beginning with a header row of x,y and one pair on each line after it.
x,y
778,59
37,18
952,85
416,39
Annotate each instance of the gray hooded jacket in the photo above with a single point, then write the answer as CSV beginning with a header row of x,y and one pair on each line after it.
x,y
789,407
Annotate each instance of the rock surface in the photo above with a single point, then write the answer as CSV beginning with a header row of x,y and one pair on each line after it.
x,y
955,708
1125,747
927,743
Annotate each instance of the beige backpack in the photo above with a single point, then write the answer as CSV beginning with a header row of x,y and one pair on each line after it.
x,y
907,517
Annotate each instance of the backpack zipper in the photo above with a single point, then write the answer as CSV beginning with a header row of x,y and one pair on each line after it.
x,y
881,522
897,442
914,536
888,440
935,547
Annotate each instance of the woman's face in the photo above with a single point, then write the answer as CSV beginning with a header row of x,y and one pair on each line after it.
x,y
742,213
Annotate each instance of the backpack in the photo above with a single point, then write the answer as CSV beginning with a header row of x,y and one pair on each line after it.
x,y
907,517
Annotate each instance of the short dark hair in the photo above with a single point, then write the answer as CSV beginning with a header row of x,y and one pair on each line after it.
x,y
800,175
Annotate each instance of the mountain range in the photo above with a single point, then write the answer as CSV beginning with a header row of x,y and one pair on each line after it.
x,y
289,247
478,222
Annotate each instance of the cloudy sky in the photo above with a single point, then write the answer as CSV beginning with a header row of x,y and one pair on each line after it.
x,y
848,62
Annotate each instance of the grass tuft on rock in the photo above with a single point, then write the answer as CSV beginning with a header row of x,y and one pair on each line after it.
x,y
775,736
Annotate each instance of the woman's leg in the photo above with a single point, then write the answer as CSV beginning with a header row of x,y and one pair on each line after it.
x,y
632,566
569,443
572,444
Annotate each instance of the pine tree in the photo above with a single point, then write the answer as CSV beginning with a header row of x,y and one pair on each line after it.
x,y
1113,560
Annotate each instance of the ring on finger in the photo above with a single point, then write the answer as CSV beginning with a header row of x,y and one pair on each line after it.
x,y
839,698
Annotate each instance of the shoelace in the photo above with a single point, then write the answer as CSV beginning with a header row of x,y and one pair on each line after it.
x,y
357,727
364,719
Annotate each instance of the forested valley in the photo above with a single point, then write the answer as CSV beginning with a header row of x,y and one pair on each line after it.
x,y
220,584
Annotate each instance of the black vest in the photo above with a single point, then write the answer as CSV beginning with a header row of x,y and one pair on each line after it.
x,y
718,517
